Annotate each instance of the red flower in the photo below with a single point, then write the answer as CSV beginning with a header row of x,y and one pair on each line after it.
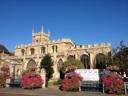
x,y
113,83
71,81
31,80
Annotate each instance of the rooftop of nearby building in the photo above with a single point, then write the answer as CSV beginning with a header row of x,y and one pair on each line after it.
x,y
3,49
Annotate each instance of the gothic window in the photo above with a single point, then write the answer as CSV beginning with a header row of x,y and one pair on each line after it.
x,y
36,41
85,60
32,51
60,63
54,48
71,57
22,52
31,63
43,50
100,61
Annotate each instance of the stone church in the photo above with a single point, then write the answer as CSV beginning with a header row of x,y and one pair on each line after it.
x,y
60,51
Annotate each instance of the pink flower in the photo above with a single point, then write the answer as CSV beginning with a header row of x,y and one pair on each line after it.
x,y
71,81
113,83
31,80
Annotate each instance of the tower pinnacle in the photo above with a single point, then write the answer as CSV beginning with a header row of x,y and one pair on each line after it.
x,y
42,30
32,30
48,32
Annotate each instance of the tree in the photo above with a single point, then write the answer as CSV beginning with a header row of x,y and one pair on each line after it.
x,y
72,62
120,57
47,64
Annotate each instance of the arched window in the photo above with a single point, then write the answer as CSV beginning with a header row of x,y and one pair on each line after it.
x,y
86,61
43,50
36,41
32,51
54,48
100,61
31,63
59,64
71,57
22,52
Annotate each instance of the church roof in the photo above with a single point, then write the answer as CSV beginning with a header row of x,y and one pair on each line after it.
x,y
3,48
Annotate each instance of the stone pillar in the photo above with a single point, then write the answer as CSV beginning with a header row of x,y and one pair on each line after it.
x,y
43,76
56,74
91,61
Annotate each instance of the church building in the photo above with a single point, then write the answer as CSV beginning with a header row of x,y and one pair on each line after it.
x,y
60,51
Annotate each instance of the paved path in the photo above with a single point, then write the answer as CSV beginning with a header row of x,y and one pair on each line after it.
x,y
45,92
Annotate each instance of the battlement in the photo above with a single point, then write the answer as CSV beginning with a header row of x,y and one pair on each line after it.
x,y
52,42
40,37
101,45
61,40
108,44
40,34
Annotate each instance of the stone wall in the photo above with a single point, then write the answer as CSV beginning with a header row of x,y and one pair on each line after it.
x,y
59,49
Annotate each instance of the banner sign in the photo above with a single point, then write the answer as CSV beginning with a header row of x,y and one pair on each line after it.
x,y
89,74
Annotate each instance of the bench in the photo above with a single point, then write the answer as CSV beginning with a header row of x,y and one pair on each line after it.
x,y
13,83
91,86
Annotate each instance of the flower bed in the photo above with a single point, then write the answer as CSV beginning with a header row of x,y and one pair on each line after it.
x,y
4,74
113,83
71,81
31,80
112,68
71,69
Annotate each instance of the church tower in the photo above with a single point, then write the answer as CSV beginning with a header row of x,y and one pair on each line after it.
x,y
40,37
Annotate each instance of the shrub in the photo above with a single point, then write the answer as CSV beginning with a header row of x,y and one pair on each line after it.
x,y
113,83
71,81
5,68
112,68
4,74
71,62
31,80
32,68
25,71
57,82
71,68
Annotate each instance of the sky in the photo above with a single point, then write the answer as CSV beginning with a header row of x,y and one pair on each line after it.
x,y
83,21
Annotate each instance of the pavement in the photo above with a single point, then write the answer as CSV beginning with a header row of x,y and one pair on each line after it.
x,y
46,92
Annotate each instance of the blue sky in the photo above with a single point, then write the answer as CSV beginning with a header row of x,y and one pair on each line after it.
x,y
83,21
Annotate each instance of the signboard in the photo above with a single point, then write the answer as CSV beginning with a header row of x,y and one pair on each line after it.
x,y
89,74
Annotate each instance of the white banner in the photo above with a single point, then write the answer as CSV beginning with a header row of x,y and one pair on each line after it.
x,y
89,74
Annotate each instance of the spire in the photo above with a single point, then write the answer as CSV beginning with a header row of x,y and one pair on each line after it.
x,y
42,30
48,32
32,31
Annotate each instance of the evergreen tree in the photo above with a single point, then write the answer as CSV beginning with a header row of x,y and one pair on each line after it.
x,y
47,64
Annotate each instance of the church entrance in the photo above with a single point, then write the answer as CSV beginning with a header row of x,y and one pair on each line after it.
x,y
100,61
60,63
86,61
